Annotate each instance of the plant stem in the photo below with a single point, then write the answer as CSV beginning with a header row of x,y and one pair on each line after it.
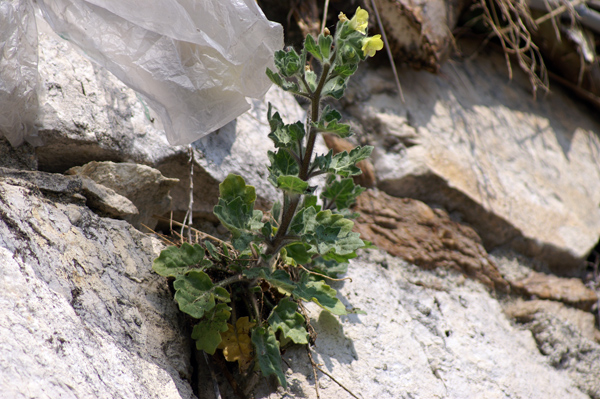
x,y
230,280
290,210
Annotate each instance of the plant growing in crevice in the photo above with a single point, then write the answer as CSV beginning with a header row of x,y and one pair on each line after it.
x,y
246,293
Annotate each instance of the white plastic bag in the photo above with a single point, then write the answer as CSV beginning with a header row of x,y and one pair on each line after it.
x,y
18,71
194,61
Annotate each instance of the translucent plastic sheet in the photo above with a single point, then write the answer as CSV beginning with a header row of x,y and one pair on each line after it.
x,y
194,61
18,71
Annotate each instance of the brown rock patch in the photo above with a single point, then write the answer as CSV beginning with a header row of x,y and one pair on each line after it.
x,y
411,230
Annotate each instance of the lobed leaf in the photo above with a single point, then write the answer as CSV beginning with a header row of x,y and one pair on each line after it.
x,y
236,344
291,323
284,84
311,46
343,163
196,294
235,210
321,294
207,332
335,87
174,260
292,184
300,252
325,43
279,279
282,164
288,62
212,250
267,353
343,193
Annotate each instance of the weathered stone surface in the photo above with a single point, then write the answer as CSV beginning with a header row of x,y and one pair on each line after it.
x,y
144,186
425,335
413,231
571,291
523,173
106,202
526,311
566,348
420,31
83,315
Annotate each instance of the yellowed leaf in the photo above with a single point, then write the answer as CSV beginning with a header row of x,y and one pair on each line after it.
x,y
236,343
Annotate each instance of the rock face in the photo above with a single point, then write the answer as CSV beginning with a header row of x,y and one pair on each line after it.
x,y
83,316
522,172
425,335
411,230
144,186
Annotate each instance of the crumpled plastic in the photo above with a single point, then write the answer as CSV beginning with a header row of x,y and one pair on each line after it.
x,y
194,61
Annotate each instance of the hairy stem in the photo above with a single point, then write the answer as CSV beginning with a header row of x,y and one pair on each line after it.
x,y
290,210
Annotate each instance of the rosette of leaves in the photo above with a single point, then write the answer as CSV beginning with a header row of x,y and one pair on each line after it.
x,y
285,256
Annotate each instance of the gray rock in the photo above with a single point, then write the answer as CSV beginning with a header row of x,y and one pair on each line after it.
x,y
567,349
523,172
425,335
83,314
144,186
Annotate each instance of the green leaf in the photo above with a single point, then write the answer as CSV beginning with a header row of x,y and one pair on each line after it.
x,y
276,211
284,84
282,164
329,233
343,193
286,136
311,46
267,353
321,294
329,267
267,230
212,250
300,252
304,221
325,43
329,122
196,294
288,62
207,332
292,184
335,87
291,323
173,260
342,163
345,70
311,200
279,279
234,186
235,210
311,79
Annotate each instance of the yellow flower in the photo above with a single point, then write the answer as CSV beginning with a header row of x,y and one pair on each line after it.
x,y
371,45
342,17
360,20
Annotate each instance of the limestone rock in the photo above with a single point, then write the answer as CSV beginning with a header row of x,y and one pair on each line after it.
x,y
566,348
107,202
425,335
523,172
527,311
144,186
413,231
83,314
